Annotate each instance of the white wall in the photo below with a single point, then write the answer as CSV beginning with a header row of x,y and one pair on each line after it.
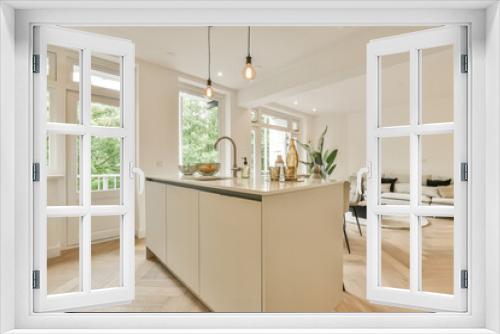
x,y
158,117
346,132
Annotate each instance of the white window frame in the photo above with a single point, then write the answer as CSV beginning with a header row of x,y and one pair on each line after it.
x,y
16,214
196,91
412,44
86,210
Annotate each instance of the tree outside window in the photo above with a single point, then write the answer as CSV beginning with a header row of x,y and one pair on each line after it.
x,y
105,152
199,129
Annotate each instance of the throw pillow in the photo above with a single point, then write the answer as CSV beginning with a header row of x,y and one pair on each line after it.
x,y
385,188
446,192
389,180
438,183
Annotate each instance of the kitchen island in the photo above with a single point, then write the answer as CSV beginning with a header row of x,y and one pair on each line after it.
x,y
249,245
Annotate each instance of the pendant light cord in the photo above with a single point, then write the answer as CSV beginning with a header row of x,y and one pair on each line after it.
x,y
209,54
248,42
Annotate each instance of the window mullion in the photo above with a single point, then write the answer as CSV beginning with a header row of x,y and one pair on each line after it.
x,y
415,189
85,165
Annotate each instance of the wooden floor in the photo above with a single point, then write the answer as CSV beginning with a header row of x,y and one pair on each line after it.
x,y
158,291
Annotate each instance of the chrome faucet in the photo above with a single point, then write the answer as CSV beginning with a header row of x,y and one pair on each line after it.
x,y
235,168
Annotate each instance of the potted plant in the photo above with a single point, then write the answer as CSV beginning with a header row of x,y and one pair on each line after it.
x,y
320,164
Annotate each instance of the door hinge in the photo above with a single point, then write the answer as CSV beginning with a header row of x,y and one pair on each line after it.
x,y
36,63
465,64
464,279
36,279
36,172
464,171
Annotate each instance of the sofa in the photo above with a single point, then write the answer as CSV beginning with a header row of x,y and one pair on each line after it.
x,y
395,190
436,190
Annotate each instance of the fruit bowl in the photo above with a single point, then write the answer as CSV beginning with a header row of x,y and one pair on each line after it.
x,y
208,169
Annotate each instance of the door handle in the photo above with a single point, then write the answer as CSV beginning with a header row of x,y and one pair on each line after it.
x,y
140,173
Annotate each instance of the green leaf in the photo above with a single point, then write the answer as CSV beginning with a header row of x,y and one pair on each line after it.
x,y
322,140
307,147
317,158
330,158
331,169
307,163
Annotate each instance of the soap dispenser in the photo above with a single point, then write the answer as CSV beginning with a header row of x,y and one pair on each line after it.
x,y
245,173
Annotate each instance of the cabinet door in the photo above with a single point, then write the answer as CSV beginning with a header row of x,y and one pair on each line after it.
x,y
182,235
230,253
156,219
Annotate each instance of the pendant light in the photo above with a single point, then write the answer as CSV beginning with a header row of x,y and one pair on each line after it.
x,y
249,71
209,91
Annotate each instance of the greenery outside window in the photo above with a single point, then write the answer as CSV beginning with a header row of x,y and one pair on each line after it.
x,y
199,129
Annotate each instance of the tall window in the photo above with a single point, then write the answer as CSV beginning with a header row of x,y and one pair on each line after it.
x,y
199,129
271,137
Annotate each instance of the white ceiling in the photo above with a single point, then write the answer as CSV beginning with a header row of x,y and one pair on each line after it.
x,y
338,97
273,50
185,48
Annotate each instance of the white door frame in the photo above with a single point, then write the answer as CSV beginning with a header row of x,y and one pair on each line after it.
x,y
411,44
307,14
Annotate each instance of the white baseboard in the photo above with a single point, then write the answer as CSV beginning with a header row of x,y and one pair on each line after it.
x,y
54,251
111,233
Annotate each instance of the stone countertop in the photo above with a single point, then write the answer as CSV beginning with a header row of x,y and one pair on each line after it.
x,y
254,186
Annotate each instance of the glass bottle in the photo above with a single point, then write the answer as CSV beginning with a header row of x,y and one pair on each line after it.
x,y
279,163
245,173
292,160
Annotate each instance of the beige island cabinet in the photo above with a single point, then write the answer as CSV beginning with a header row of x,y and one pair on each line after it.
x,y
245,245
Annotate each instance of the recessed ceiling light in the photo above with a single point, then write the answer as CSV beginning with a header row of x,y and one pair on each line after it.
x,y
295,102
314,110
219,74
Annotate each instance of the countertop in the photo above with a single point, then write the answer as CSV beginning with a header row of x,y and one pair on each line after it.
x,y
253,187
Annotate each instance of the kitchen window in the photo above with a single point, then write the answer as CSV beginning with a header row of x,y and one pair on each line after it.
x,y
199,129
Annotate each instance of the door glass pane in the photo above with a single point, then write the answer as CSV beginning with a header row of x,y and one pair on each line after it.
x,y
106,264
106,161
394,90
51,65
394,183
437,254
51,92
437,169
58,60
437,84
63,255
62,155
395,251
106,87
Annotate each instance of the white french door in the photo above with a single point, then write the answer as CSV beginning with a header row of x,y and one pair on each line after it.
x,y
70,271
416,133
